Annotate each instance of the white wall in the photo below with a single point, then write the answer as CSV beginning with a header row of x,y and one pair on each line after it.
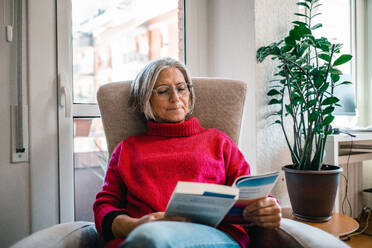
x,y
272,22
232,55
42,59
14,178
220,43
367,165
29,191
196,37
224,35
368,68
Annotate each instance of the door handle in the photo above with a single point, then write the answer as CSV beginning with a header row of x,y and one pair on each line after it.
x,y
64,98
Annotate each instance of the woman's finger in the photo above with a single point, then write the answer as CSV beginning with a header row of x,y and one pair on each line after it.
x,y
261,203
151,217
158,215
270,210
174,218
265,218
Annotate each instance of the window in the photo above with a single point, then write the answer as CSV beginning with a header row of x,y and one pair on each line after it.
x,y
112,40
337,19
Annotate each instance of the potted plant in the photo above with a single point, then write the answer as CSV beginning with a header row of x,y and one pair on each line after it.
x,y
303,92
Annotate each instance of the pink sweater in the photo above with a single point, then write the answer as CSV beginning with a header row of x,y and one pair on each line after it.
x,y
144,170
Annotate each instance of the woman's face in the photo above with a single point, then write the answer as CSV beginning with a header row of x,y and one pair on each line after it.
x,y
170,104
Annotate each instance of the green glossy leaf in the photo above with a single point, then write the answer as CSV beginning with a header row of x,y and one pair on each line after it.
x,y
317,77
300,23
265,51
304,30
288,108
286,48
338,46
290,41
318,128
323,44
296,99
328,120
311,103
308,42
294,33
313,116
309,93
330,100
273,92
328,110
324,56
335,77
303,4
274,101
335,71
316,26
316,15
307,67
342,59
323,88
345,82
299,14
261,54
328,132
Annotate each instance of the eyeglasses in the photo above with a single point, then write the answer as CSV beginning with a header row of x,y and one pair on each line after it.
x,y
164,92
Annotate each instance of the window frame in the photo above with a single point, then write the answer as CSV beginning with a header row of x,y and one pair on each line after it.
x,y
78,110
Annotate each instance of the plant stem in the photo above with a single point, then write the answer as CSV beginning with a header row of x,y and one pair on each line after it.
x,y
294,156
296,137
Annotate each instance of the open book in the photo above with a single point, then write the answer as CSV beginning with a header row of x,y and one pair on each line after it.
x,y
212,203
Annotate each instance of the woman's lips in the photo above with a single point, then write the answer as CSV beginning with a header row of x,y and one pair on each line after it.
x,y
174,109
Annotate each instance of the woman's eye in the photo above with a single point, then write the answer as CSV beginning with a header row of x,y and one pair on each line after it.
x,y
163,91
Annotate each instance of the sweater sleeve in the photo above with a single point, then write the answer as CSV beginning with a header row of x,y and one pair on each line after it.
x,y
235,163
111,199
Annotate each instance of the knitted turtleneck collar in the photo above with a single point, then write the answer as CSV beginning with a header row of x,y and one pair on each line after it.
x,y
187,128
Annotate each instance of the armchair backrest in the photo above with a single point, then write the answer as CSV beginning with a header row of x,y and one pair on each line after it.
x,y
219,104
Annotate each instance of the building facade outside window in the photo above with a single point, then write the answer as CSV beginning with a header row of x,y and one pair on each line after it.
x,y
112,41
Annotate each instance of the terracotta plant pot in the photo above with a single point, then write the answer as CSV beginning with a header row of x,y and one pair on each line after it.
x,y
312,193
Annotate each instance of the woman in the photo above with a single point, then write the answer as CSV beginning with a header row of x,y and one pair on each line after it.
x,y
144,169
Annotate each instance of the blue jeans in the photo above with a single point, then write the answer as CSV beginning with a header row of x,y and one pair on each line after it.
x,y
178,234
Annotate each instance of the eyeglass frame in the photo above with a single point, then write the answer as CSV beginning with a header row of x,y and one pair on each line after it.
x,y
189,86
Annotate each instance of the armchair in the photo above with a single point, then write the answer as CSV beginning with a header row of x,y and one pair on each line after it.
x,y
219,104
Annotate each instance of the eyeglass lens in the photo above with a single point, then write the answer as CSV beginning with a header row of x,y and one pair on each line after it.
x,y
165,91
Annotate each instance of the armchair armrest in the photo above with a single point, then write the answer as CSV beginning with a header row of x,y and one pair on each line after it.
x,y
67,235
293,234
290,234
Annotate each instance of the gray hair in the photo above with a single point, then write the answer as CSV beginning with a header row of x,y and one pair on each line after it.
x,y
143,85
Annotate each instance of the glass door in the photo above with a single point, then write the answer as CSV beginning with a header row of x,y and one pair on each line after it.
x,y
100,42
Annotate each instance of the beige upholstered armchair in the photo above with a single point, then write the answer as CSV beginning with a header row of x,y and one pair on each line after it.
x,y
219,104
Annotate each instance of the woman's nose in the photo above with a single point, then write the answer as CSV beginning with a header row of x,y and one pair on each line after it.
x,y
174,97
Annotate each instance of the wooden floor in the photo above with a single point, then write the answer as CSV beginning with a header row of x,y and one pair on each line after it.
x,y
362,240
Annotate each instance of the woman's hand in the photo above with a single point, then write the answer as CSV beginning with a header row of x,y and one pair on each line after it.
x,y
264,212
157,216
124,224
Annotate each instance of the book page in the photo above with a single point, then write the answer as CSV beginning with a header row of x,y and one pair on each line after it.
x,y
253,192
202,209
252,187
